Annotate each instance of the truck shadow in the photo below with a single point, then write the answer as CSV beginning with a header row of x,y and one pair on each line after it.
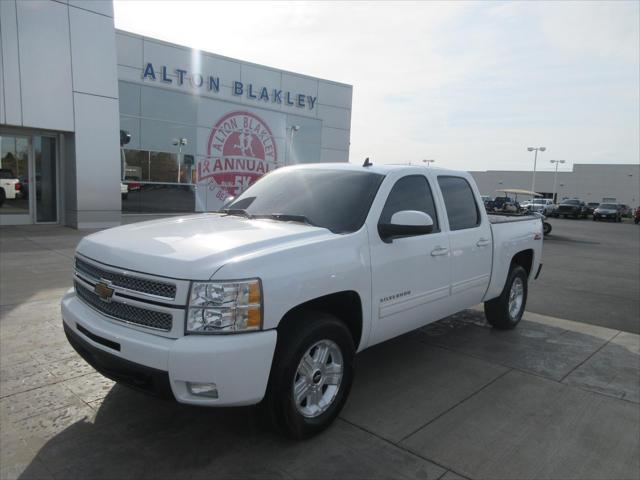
x,y
428,371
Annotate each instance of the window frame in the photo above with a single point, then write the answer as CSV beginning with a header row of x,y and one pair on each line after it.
x,y
437,224
475,202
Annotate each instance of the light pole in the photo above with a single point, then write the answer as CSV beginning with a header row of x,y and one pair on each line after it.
x,y
535,160
180,142
428,161
294,130
555,177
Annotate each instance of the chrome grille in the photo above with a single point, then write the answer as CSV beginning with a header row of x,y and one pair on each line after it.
x,y
137,284
124,312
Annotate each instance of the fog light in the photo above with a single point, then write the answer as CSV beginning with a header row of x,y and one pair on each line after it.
x,y
203,389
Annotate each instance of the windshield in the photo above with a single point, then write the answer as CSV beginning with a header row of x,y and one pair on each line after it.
x,y
608,206
571,202
540,201
338,200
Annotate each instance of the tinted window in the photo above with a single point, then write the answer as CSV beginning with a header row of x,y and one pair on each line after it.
x,y
335,199
410,193
4,173
571,202
462,210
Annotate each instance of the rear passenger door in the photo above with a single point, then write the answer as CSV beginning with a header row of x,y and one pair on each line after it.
x,y
410,275
470,240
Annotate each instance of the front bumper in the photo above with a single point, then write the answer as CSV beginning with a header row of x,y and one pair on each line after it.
x,y
239,364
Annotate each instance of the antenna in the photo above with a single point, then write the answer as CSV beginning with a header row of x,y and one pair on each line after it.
x,y
367,163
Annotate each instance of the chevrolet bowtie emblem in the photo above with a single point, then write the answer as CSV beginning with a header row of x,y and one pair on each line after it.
x,y
104,291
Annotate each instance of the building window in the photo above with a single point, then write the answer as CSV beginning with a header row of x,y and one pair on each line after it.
x,y
151,182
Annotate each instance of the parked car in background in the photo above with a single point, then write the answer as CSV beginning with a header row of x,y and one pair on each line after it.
x,y
607,211
489,203
545,206
636,216
10,184
591,206
625,210
133,183
571,208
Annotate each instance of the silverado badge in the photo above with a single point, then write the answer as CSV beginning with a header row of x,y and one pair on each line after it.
x,y
104,291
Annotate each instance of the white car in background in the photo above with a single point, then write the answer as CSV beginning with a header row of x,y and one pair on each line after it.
x,y
10,185
545,206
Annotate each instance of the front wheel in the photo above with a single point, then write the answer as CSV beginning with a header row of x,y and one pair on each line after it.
x,y
311,375
505,311
546,228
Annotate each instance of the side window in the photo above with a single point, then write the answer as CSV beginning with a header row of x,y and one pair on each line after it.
x,y
462,210
410,193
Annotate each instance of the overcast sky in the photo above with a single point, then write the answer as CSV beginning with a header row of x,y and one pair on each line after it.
x,y
470,85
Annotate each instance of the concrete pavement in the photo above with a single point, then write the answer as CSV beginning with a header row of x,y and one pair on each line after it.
x,y
552,399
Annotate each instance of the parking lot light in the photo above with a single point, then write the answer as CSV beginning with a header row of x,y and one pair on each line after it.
x,y
535,160
555,177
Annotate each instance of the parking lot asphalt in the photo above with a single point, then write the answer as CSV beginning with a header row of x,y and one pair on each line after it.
x,y
551,399
591,274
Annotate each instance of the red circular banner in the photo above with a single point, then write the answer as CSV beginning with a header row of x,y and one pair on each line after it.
x,y
241,149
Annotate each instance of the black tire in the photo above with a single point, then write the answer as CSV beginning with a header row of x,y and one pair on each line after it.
x,y
3,196
497,310
546,228
293,343
594,219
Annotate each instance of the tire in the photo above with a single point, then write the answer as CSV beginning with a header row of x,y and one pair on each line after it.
x,y
3,196
315,330
546,228
594,219
497,310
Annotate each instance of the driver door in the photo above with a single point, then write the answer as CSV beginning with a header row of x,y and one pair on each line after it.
x,y
410,275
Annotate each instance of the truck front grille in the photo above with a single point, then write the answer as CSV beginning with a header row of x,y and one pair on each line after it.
x,y
126,313
136,284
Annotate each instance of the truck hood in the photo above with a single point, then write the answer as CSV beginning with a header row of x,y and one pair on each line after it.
x,y
195,246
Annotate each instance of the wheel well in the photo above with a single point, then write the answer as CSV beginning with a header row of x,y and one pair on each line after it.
x,y
523,259
345,306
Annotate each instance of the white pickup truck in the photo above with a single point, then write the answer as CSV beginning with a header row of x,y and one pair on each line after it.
x,y
269,300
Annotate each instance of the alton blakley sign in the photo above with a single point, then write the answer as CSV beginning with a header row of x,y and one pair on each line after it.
x,y
212,84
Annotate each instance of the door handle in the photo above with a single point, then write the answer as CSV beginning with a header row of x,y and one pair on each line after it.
x,y
439,251
483,242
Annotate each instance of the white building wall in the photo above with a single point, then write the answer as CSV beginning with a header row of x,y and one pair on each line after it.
x,y
58,72
588,182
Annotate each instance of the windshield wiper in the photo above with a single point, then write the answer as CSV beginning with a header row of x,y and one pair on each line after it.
x,y
285,217
241,212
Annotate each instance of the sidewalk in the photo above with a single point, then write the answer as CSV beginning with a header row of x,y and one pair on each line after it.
x,y
551,399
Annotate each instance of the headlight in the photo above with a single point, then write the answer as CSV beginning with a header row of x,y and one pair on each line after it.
x,y
225,307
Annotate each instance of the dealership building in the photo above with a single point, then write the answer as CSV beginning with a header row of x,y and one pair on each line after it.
x,y
612,183
100,126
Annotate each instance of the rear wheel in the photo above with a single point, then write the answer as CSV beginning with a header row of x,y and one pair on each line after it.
x,y
505,311
311,375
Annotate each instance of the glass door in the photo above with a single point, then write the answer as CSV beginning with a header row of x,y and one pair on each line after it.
x,y
45,179
28,179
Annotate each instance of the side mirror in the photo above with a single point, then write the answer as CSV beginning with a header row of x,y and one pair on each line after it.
x,y
227,201
406,223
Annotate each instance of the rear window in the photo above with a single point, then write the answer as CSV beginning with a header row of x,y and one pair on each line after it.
x,y
608,206
462,210
5,173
